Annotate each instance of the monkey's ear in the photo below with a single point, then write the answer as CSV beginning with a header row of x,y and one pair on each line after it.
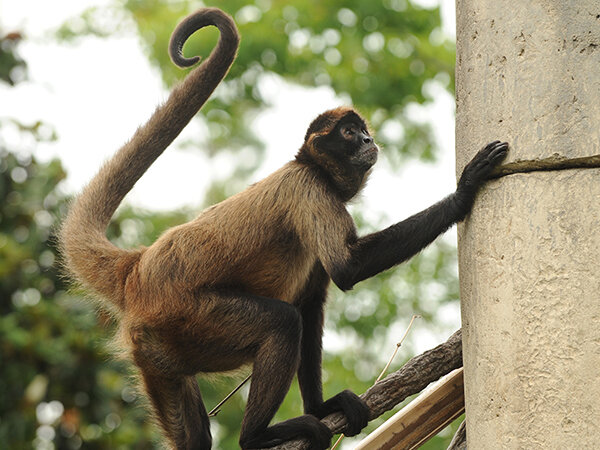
x,y
316,143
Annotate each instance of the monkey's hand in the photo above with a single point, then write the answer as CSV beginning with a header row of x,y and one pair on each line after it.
x,y
475,174
478,170
353,407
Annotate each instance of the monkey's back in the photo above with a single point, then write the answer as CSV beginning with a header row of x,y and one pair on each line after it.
x,y
248,242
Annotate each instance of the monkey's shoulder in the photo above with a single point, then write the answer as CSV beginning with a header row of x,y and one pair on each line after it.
x,y
289,194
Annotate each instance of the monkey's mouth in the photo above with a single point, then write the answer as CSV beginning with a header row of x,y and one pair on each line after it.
x,y
365,157
370,154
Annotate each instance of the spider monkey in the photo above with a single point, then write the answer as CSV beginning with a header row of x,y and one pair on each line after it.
x,y
246,281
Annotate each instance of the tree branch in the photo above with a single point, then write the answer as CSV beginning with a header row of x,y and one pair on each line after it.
x,y
411,379
459,441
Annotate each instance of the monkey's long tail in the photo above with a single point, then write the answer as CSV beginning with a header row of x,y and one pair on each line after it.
x,y
89,257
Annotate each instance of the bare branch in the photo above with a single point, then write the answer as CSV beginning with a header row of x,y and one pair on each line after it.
x,y
459,441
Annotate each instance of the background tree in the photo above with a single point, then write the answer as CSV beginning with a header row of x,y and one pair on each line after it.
x,y
60,386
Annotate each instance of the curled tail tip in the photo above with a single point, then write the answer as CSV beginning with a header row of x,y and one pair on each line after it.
x,y
181,61
194,22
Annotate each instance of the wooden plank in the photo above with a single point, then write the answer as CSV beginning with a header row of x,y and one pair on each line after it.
x,y
423,418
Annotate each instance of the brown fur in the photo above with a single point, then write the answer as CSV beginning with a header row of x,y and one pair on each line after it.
x,y
89,256
246,281
261,241
264,242
234,285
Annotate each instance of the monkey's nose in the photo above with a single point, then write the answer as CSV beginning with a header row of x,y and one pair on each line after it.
x,y
367,140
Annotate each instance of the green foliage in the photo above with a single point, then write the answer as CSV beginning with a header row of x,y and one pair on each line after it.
x,y
58,381
378,55
56,376
375,55
12,67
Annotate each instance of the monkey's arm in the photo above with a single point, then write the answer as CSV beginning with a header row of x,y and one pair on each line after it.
x,y
379,251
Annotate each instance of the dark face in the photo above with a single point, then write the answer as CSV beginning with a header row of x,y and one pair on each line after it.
x,y
360,148
338,141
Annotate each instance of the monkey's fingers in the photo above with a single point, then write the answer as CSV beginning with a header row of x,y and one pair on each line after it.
x,y
498,153
491,144
486,149
492,149
490,156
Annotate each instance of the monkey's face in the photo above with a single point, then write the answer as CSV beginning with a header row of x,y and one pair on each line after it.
x,y
349,144
338,141
360,147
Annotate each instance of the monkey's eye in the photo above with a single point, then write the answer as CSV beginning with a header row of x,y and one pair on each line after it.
x,y
348,131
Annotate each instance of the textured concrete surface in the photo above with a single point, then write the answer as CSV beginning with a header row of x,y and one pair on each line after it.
x,y
529,255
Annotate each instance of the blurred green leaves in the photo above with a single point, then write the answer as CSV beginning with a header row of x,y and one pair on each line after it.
x,y
51,343
13,68
59,384
375,55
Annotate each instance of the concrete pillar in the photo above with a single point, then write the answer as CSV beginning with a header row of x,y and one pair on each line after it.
x,y
529,254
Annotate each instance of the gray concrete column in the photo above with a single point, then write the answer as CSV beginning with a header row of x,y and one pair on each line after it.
x,y
529,254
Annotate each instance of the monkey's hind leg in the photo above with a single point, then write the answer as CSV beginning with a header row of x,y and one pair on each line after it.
x,y
180,410
216,331
275,364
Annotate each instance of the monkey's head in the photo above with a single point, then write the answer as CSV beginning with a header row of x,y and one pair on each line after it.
x,y
339,143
